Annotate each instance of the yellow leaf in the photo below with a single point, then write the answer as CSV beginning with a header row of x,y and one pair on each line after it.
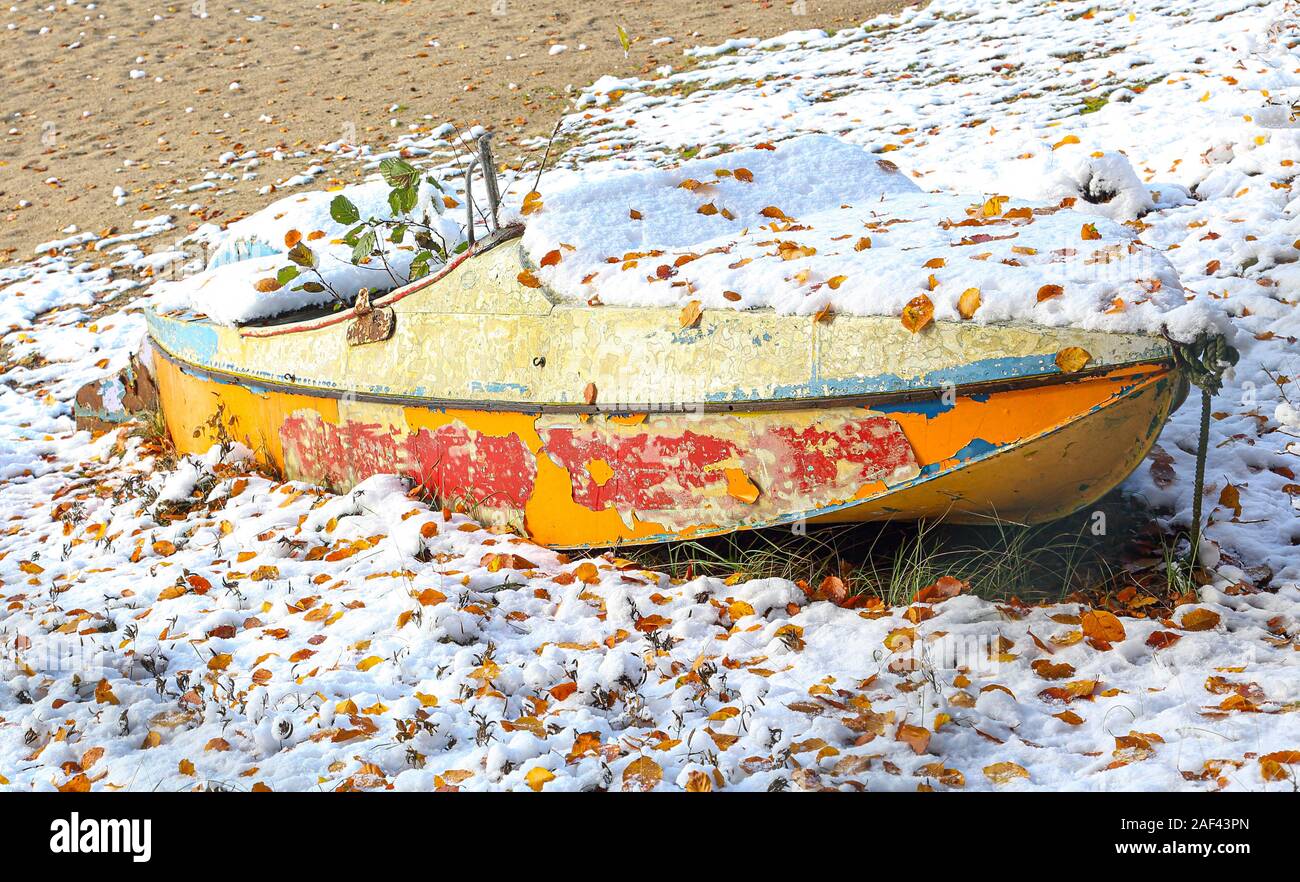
x,y
1068,139
185,767
163,548
219,662
104,693
532,203
151,739
537,777
691,313
1002,773
1072,358
834,282
993,206
698,782
368,662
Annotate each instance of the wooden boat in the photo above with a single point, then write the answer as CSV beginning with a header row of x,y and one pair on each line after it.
x,y
583,426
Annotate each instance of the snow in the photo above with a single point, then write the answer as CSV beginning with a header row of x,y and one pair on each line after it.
x,y
781,223
198,625
255,248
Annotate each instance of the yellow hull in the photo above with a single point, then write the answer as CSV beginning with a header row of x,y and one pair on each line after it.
x,y
1041,453
585,426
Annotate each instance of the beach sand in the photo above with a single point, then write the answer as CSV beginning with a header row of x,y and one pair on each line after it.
x,y
147,96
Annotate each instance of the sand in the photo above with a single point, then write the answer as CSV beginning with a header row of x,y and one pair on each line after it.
x,y
78,122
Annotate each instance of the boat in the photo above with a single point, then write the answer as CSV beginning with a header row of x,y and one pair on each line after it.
x,y
581,426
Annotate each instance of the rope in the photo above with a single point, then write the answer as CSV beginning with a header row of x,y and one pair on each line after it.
x,y
1204,361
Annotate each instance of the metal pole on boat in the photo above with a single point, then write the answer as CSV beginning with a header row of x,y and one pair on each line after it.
x,y
469,200
489,178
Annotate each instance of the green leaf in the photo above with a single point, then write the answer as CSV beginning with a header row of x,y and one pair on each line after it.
x,y
398,234
461,248
624,40
286,275
343,211
420,265
399,173
365,247
402,199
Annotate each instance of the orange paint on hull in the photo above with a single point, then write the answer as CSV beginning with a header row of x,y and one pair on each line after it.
x,y
539,474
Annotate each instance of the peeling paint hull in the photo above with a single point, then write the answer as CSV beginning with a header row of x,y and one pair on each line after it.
x,y
483,394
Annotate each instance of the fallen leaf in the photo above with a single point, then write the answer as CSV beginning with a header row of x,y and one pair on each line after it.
x,y
1003,773
1072,358
642,775
1101,625
918,313
537,777
1200,619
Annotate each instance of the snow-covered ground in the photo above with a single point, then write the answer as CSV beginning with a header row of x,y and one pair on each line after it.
x,y
208,627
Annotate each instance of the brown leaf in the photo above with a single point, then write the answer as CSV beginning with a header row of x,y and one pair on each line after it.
x,y
1048,671
1230,497
1200,619
589,393
1162,639
833,589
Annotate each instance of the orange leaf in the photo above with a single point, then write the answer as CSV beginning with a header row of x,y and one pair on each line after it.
x,y
1101,625
918,313
528,280
1047,292
642,775
968,302
551,259
914,737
